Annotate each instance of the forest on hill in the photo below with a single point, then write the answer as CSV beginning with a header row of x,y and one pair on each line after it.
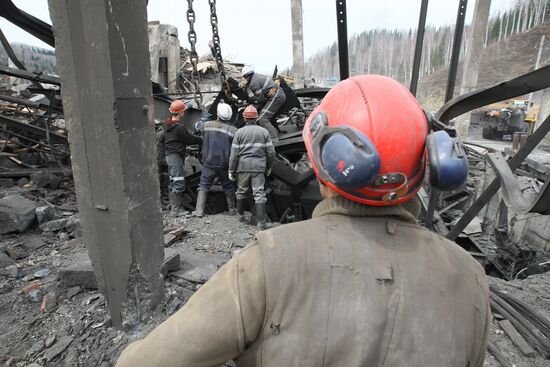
x,y
34,58
390,52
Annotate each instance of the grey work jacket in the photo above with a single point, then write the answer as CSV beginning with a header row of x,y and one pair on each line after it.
x,y
354,286
260,85
252,150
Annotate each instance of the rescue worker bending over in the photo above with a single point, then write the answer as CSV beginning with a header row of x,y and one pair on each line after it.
x,y
252,155
267,93
216,147
359,284
175,140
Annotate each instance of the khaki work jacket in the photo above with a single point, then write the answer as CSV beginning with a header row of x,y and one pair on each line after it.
x,y
354,286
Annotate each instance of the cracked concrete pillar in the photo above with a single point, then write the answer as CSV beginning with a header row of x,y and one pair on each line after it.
x,y
297,43
164,49
103,59
470,69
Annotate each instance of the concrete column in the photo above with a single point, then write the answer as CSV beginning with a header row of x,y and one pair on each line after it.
x,y
103,59
544,112
297,43
470,69
164,43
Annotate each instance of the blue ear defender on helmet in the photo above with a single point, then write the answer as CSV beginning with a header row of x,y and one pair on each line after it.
x,y
349,165
448,163
347,157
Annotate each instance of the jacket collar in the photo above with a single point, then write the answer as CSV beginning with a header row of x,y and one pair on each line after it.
x,y
343,206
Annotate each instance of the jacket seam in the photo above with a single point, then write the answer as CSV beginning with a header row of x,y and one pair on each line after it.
x,y
326,220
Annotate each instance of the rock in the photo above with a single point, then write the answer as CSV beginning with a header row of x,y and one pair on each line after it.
x,y
49,302
199,274
36,348
35,295
49,341
5,260
22,182
34,364
17,214
5,287
80,273
73,291
58,347
43,179
54,225
73,223
63,236
13,272
6,183
42,273
171,263
31,287
169,239
16,252
173,306
68,207
45,214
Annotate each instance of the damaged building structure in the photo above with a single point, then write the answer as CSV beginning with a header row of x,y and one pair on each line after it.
x,y
86,250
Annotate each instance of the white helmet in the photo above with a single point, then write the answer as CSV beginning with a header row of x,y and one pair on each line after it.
x,y
224,111
246,70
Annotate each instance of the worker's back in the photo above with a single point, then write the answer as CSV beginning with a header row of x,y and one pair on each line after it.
x,y
354,290
251,145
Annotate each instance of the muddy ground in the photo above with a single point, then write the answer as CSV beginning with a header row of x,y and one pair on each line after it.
x,y
44,323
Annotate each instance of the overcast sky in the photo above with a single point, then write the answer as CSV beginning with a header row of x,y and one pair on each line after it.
x,y
258,32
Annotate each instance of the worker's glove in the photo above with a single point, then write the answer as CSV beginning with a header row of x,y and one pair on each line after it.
x,y
243,83
268,172
232,176
188,105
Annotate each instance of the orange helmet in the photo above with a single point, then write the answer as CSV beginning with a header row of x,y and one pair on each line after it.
x,y
177,106
250,113
367,141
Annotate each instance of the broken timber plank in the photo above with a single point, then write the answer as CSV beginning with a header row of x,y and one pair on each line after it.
x,y
517,339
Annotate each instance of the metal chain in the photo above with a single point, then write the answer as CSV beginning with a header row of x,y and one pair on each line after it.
x,y
218,52
193,56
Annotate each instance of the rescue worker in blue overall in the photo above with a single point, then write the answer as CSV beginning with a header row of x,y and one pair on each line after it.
x,y
216,147
252,155
267,93
176,139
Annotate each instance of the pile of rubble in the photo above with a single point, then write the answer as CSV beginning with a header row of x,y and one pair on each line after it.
x,y
51,312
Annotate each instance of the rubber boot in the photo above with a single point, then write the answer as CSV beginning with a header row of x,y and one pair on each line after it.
x,y
201,203
241,203
176,205
231,208
261,216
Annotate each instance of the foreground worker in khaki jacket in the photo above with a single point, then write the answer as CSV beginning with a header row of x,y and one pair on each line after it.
x,y
361,283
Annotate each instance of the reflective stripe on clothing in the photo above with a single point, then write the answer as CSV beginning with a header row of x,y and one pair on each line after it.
x,y
252,150
224,131
269,104
246,180
216,147
258,145
175,170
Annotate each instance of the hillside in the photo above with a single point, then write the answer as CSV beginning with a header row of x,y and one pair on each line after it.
x,y
511,44
34,58
500,61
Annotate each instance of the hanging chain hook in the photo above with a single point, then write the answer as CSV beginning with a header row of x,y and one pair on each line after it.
x,y
218,53
193,56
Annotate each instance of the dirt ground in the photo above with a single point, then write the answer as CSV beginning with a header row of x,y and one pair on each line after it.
x,y
73,328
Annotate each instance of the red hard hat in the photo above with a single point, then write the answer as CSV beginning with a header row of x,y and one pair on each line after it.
x,y
367,141
250,113
177,106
